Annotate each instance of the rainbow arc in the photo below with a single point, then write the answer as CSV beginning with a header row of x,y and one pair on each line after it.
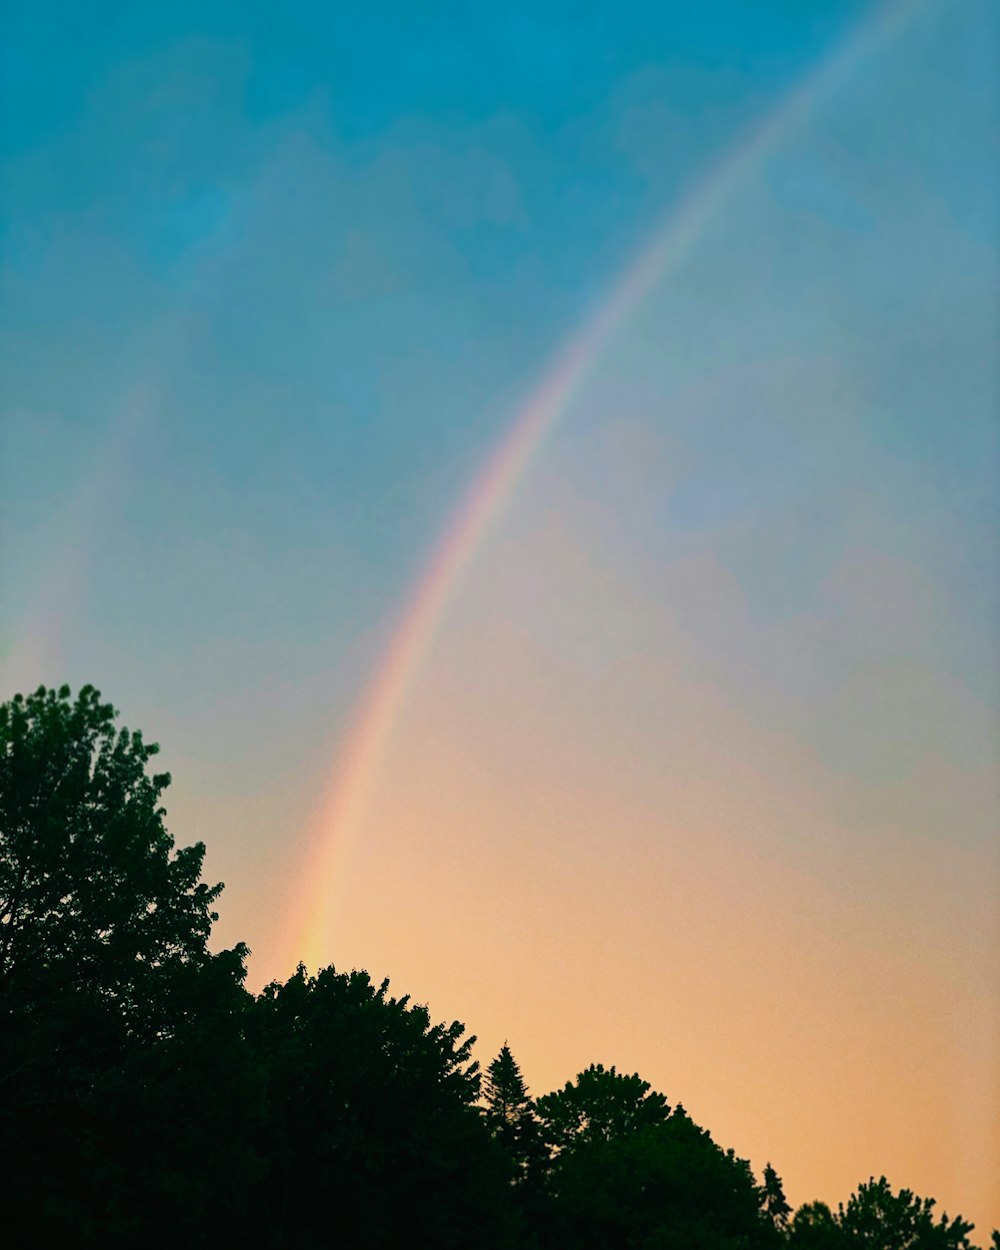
x,y
365,744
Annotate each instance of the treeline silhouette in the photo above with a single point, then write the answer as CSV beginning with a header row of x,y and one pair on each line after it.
x,y
147,1099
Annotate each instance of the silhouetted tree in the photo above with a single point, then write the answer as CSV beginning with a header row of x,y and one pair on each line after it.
x,y
96,905
175,1127
877,1217
773,1202
510,1114
147,1099
103,968
600,1105
511,1118
374,1137
815,1227
504,1090
628,1173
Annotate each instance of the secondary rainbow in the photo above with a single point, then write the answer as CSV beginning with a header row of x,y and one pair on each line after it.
x,y
365,743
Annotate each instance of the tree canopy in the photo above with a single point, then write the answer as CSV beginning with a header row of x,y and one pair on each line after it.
x,y
878,1218
149,1099
601,1105
108,990
629,1171
374,1106
95,901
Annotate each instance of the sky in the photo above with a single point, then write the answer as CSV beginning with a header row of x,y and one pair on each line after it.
x,y
689,760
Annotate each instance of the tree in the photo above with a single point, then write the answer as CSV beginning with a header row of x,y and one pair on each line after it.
x,y
373,1139
878,1218
773,1200
630,1173
510,1116
814,1227
600,1105
172,1131
108,992
95,902
505,1092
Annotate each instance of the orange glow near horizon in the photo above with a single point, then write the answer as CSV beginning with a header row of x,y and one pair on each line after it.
x,y
619,866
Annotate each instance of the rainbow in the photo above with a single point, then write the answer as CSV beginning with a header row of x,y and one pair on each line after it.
x,y
366,741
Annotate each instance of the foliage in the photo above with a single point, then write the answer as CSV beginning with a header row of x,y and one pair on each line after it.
x,y
629,1172
373,1106
173,1129
600,1105
510,1115
515,1128
876,1218
505,1092
148,1099
96,905
815,1227
773,1201
106,982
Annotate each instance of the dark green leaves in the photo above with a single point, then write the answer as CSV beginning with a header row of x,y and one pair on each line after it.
x,y
94,899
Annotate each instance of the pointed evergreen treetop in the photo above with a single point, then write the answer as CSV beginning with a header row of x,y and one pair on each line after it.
x,y
505,1091
773,1201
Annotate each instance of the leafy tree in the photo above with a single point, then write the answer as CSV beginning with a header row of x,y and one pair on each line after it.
x,y
665,1185
108,993
600,1105
630,1174
814,1227
147,1099
95,902
373,1108
173,1129
878,1218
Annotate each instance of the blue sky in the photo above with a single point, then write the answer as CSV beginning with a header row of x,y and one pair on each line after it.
x,y
324,256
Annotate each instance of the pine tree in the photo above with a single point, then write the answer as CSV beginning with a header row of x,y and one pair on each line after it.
x,y
510,1114
506,1094
773,1201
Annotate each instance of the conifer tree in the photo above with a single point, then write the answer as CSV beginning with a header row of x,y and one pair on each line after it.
x,y
506,1094
774,1204
510,1115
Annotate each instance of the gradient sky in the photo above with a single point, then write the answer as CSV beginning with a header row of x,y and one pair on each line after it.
x,y
699,774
